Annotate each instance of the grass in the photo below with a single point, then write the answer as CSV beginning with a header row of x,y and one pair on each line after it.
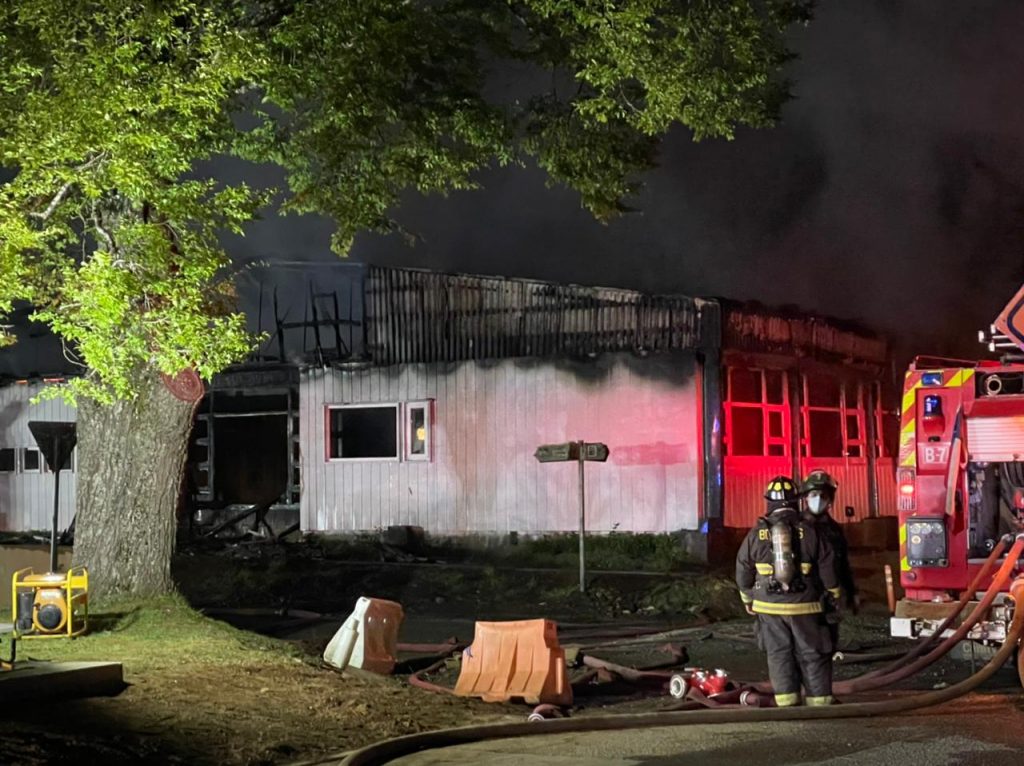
x,y
614,551
160,634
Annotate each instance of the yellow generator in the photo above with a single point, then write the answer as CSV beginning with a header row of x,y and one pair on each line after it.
x,y
50,604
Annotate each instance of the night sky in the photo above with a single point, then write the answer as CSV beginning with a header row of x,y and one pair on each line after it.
x,y
892,192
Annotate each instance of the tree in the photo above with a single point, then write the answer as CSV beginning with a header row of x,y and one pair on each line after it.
x,y
107,108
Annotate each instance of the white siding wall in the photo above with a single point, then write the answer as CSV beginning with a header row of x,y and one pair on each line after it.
x,y
488,420
26,499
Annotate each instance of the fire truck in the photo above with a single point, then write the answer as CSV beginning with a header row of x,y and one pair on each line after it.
x,y
960,481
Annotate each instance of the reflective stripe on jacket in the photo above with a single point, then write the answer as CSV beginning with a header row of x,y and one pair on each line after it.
x,y
754,569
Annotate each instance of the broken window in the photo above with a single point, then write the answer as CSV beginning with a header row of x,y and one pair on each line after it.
x,y
363,432
833,417
31,461
824,434
747,435
417,431
757,413
745,385
7,460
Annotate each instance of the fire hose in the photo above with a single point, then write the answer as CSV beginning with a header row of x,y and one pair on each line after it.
x,y
720,710
382,752
907,664
913,661
758,694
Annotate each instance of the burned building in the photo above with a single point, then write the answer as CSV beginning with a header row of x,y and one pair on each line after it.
x,y
424,406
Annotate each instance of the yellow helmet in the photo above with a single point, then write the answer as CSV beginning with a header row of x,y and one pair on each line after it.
x,y
781,488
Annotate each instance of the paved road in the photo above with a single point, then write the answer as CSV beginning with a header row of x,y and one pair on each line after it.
x,y
979,730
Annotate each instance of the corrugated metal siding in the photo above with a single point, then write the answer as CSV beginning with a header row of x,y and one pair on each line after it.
x,y
26,499
423,316
745,479
489,418
852,477
885,479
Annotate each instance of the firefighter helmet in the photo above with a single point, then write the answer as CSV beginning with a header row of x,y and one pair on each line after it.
x,y
819,480
781,488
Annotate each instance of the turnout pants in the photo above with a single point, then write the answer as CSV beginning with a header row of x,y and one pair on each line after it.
x,y
799,650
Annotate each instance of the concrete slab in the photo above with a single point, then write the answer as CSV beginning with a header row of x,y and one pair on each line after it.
x,y
36,681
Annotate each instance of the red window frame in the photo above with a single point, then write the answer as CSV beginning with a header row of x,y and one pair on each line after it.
x,y
769,440
882,447
848,407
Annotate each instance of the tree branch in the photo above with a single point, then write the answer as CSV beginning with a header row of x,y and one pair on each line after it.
x,y
62,193
57,199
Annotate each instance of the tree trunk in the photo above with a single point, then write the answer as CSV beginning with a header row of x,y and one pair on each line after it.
x,y
131,456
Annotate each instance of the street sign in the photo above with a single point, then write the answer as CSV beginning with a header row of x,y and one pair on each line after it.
x,y
557,453
579,452
567,451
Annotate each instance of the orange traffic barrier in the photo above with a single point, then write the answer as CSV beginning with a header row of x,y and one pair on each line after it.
x,y
515,659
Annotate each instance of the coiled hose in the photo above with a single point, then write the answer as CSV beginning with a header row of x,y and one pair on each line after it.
x,y
382,752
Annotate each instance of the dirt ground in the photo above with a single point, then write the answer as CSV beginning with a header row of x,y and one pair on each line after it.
x,y
201,691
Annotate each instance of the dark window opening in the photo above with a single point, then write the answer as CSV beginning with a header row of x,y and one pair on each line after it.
x,y
747,437
853,428
250,459
30,459
826,433
69,464
744,385
363,432
822,391
7,462
775,387
852,393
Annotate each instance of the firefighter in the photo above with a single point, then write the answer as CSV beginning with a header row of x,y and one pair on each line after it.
x,y
785,573
819,496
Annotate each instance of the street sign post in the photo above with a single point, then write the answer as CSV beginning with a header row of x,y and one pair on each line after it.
x,y
581,452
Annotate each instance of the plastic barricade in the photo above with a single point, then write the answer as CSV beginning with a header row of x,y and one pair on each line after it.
x,y
368,639
520,659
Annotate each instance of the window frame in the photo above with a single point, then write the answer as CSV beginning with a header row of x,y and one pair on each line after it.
x,y
881,445
843,410
427,405
765,410
23,451
396,406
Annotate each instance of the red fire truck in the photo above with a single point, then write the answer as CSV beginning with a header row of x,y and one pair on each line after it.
x,y
960,479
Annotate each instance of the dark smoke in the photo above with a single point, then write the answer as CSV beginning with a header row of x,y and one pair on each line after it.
x,y
892,192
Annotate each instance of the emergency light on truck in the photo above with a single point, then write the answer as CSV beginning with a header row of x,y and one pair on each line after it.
x,y
905,481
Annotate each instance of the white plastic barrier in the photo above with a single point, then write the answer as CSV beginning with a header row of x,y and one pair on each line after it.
x,y
368,639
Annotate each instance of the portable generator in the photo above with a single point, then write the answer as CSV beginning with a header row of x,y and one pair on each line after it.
x,y
50,604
